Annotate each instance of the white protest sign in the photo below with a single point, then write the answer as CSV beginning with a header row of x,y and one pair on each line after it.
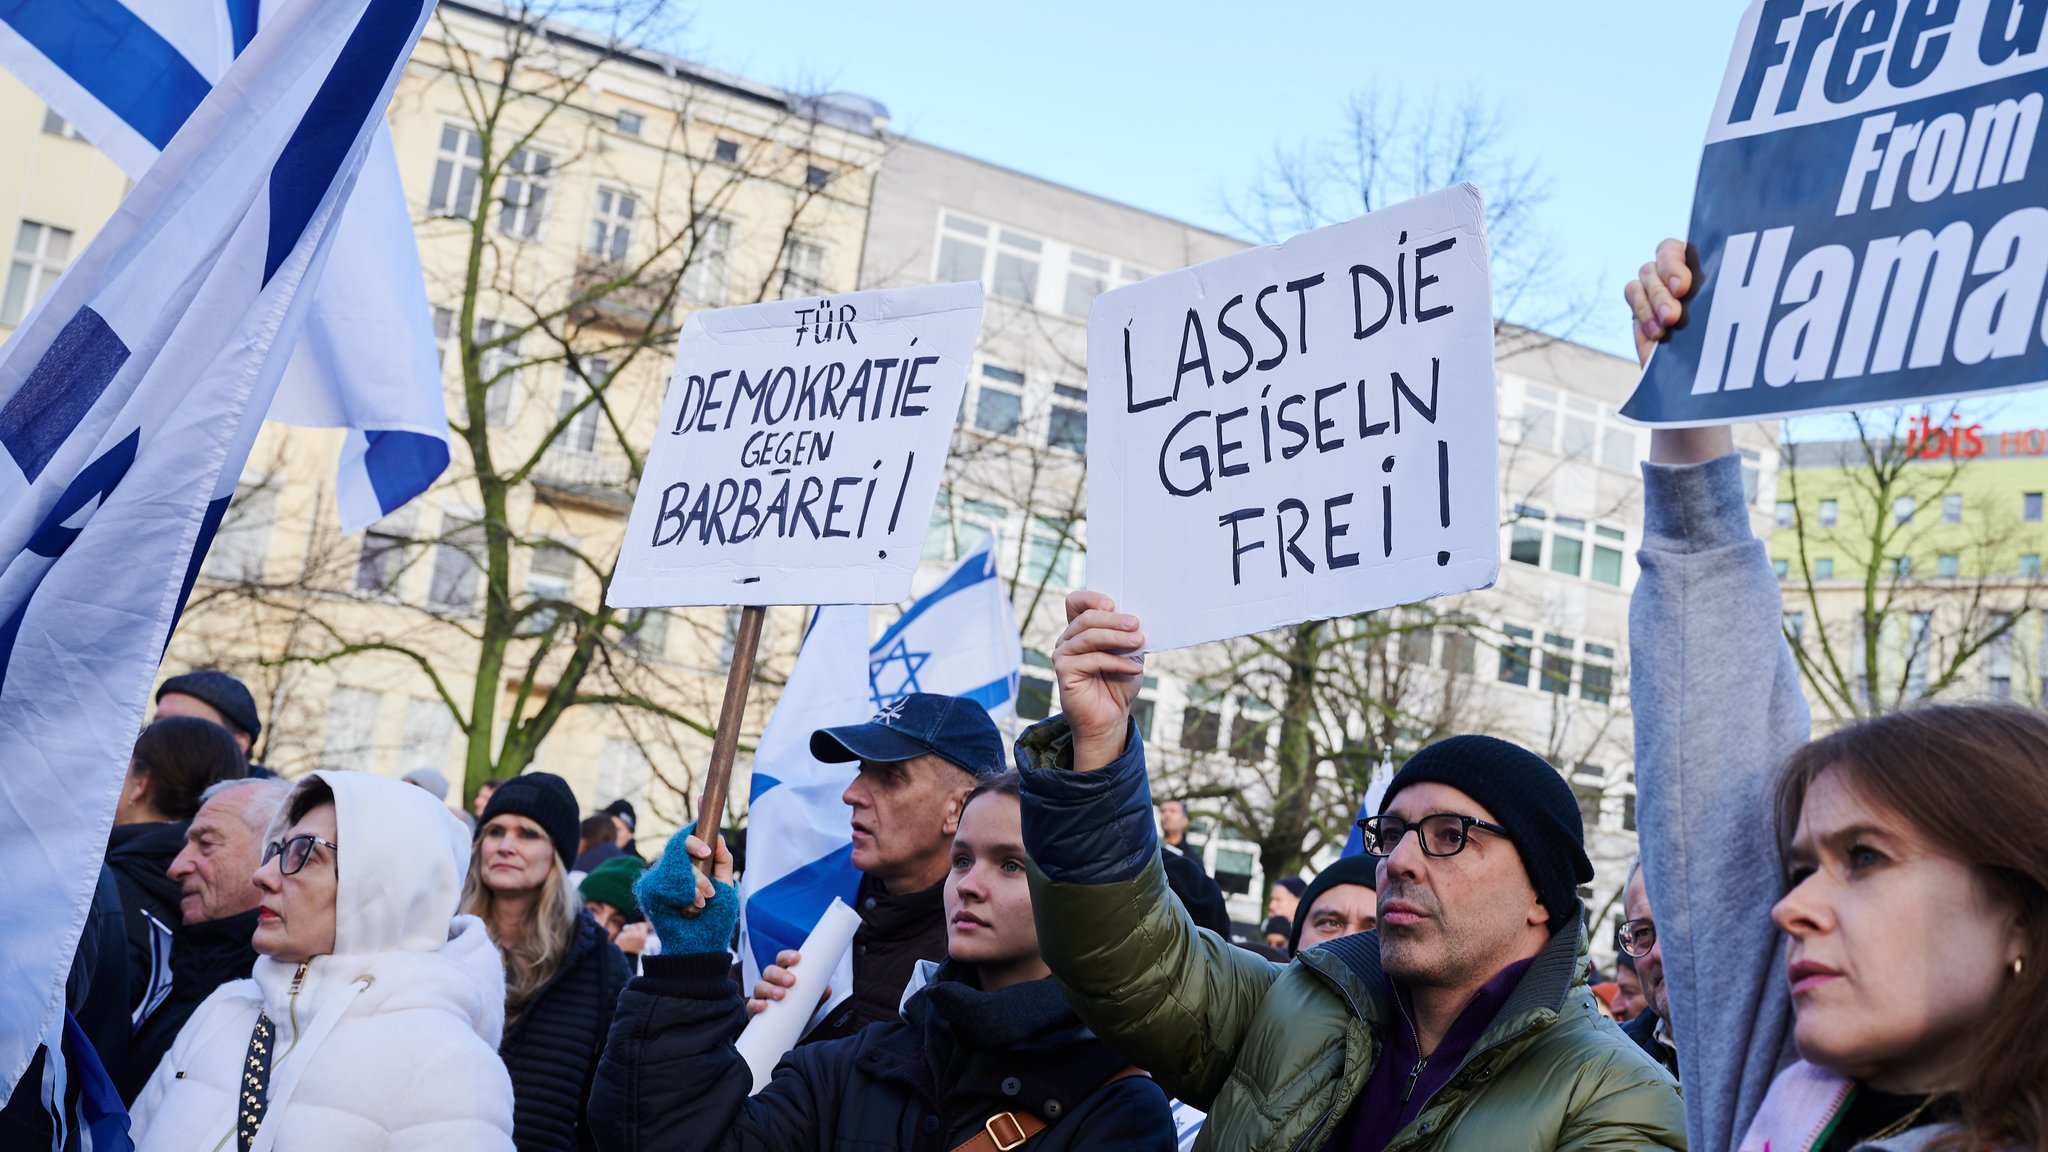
x,y
799,450
1299,431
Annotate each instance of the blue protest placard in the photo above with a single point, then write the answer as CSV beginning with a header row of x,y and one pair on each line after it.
x,y
1866,225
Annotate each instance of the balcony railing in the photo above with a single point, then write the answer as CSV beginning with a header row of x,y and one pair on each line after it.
x,y
594,476
631,306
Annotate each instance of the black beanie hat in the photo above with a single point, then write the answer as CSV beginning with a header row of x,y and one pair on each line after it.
x,y
1527,797
543,798
1360,870
223,693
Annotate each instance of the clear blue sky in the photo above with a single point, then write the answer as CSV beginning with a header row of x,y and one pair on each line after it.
x,y
1170,107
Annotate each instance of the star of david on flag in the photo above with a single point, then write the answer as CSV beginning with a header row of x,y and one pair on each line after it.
x,y
897,668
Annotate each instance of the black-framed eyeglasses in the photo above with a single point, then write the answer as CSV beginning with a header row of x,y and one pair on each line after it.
x,y
1439,833
295,852
1636,937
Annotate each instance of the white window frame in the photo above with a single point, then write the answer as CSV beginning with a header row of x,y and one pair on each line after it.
x,y
527,179
32,268
708,278
611,224
991,377
806,262
580,434
458,172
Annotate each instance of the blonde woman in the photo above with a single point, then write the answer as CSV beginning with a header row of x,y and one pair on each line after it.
x,y
562,976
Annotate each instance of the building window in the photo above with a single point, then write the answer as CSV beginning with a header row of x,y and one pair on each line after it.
x,y
999,401
1568,553
1828,512
611,226
458,172
1781,567
1596,680
1578,428
1417,642
1948,566
1035,687
627,122
725,151
351,730
444,334
2030,564
381,563
2030,506
1460,654
1902,568
1201,722
706,279
424,741
803,268
495,367
1048,559
40,253
1795,625
244,536
1066,424
527,176
1525,541
1919,625
1752,474
1016,275
1248,731
580,434
1588,789
1087,278
456,567
1787,514
1557,665
963,249
550,574
1516,655
1998,657
1618,448
1952,508
1902,510
55,125
815,178
1539,416
1824,568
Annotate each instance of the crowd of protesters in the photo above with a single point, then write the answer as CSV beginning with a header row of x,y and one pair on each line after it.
x,y
1833,944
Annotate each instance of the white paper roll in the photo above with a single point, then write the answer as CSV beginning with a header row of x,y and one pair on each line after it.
x,y
777,1029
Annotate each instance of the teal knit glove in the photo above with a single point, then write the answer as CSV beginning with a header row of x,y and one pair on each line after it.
x,y
666,893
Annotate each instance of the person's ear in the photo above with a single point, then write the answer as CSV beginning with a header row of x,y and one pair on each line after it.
x,y
1537,913
137,786
956,800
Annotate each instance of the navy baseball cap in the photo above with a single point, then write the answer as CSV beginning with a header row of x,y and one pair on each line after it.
x,y
955,728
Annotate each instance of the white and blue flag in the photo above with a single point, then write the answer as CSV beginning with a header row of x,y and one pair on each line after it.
x,y
127,74
129,400
960,639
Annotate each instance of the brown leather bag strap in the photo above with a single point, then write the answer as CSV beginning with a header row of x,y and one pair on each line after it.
x,y
1006,1131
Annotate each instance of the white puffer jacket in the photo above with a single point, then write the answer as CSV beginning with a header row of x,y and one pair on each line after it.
x,y
388,1043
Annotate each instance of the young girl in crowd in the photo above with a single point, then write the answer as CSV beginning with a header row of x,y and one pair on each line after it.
x,y
1856,929
371,1019
987,1050
562,973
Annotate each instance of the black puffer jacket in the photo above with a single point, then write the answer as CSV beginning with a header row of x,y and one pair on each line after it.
x,y
204,956
141,855
672,1081
552,1049
895,933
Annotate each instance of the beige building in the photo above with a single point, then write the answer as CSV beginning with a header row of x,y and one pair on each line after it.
x,y
609,164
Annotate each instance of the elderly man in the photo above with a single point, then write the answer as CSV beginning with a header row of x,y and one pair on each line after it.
x,y
217,900
1443,1030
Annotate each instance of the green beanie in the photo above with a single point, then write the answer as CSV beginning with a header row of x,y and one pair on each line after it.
x,y
612,883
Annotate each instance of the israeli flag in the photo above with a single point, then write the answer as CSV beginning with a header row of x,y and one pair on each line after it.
x,y
958,640
128,74
128,403
1375,791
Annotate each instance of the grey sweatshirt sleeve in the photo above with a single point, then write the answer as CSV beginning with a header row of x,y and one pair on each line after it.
x,y
1717,709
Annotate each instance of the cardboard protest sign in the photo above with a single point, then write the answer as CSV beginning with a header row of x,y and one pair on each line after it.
x,y
799,451
1864,217
1298,431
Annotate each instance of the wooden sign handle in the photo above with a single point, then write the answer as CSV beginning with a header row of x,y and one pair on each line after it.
x,y
726,740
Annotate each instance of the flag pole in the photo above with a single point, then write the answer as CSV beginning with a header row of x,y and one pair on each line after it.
x,y
726,739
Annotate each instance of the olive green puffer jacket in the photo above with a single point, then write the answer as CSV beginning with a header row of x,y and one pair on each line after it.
x,y
1276,1054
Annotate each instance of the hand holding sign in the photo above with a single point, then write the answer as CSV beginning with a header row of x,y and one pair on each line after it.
x,y
1100,666
1300,431
1656,298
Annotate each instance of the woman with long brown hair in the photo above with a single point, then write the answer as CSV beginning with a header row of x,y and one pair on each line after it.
x,y
562,975
1875,900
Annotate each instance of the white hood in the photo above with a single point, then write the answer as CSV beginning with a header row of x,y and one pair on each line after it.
x,y
400,866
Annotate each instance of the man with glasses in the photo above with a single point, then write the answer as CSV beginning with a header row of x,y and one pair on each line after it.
x,y
1462,1023
1637,938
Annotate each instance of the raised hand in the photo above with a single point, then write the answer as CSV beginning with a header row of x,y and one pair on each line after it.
x,y
690,911
1100,664
1656,298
